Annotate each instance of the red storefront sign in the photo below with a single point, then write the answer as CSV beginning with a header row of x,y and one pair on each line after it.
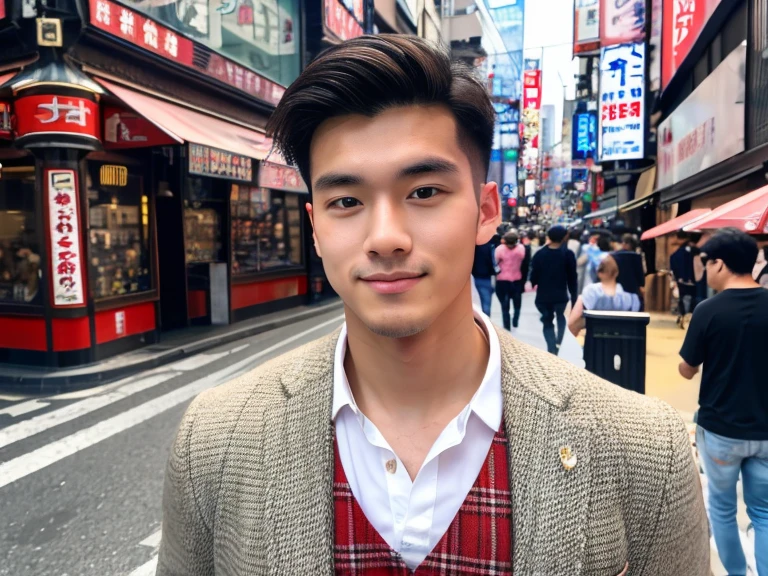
x,y
682,23
63,231
340,22
145,33
56,114
126,129
280,177
532,89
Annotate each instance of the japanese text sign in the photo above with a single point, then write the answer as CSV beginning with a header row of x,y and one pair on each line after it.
x,y
622,102
340,22
682,23
64,232
622,21
56,114
280,177
532,89
584,135
140,31
207,161
586,24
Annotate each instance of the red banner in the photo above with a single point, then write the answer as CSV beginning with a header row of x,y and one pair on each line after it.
x,y
340,22
145,33
126,129
682,23
532,89
57,114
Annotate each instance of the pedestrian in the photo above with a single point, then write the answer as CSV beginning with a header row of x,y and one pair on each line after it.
x,y
607,295
483,271
553,274
762,275
417,438
594,252
510,282
630,262
728,334
682,269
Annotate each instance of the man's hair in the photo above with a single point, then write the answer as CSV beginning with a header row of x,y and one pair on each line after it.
x,y
604,243
557,233
511,238
609,267
737,249
370,74
629,240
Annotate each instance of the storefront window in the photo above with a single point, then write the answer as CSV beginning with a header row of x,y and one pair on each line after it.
x,y
259,34
119,234
203,214
19,241
266,229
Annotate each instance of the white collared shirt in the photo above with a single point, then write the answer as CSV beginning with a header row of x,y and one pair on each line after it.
x,y
413,516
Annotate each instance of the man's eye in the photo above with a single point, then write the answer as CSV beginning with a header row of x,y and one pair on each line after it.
x,y
346,202
424,193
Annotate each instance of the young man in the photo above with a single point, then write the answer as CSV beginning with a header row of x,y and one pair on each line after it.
x,y
418,438
729,335
483,271
631,273
553,272
682,268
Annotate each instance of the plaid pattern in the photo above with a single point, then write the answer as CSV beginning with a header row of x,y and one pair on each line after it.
x,y
478,541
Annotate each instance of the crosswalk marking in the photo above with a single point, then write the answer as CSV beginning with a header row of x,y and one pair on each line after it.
x,y
153,540
147,569
22,408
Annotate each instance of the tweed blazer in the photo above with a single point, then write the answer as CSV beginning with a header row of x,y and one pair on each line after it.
x,y
249,484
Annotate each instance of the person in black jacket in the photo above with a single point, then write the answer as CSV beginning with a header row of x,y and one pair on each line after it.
x,y
483,271
631,273
553,273
681,266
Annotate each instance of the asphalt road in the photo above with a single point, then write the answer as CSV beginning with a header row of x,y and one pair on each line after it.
x,y
81,474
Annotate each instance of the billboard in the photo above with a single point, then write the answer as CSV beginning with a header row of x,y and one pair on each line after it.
x,y
654,73
531,118
621,21
584,135
622,102
683,21
708,127
586,26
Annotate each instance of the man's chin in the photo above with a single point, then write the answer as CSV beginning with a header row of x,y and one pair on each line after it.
x,y
395,331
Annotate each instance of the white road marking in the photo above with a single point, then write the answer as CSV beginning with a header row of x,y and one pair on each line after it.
x,y
148,569
195,362
44,456
24,408
13,397
153,540
239,349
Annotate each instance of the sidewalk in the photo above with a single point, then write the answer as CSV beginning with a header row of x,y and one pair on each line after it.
x,y
173,346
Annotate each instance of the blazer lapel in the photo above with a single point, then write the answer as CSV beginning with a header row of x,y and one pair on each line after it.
x,y
299,457
550,502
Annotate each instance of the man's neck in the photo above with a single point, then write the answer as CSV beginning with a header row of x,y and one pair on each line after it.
x,y
422,377
740,283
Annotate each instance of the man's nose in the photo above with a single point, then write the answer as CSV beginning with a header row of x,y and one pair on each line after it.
x,y
388,233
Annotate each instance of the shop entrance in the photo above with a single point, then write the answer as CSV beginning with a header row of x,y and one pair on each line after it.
x,y
170,252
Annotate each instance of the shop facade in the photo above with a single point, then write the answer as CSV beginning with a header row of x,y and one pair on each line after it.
x,y
139,193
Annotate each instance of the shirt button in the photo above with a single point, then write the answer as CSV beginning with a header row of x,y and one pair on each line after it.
x,y
391,466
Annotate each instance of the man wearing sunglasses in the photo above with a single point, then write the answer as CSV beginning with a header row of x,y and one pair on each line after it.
x,y
728,334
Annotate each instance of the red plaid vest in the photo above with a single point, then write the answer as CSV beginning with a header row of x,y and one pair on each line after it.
x,y
478,541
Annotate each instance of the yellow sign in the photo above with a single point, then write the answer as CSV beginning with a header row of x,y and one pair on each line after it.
x,y
110,175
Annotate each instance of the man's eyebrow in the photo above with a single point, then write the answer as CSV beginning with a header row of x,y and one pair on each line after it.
x,y
336,180
428,166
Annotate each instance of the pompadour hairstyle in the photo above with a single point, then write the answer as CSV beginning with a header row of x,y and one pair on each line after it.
x,y
370,74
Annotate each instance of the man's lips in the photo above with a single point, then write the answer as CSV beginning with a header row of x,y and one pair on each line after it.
x,y
393,283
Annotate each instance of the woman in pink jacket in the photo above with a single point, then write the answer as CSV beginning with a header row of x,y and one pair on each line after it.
x,y
509,281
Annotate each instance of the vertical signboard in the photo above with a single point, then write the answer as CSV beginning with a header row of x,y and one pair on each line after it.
x,y
63,224
622,102
683,21
340,22
621,21
531,118
654,73
586,26
584,135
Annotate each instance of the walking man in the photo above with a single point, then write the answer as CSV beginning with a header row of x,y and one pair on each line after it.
x,y
631,272
681,266
483,271
553,274
509,282
417,438
728,334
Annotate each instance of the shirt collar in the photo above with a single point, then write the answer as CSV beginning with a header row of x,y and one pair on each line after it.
x,y
486,403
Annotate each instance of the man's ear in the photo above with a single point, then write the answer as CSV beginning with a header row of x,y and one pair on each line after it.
x,y
308,206
489,215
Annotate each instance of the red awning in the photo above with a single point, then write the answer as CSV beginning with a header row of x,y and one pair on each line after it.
x,y
675,224
749,213
5,77
185,125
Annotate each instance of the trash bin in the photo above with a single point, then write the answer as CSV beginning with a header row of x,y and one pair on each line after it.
x,y
614,347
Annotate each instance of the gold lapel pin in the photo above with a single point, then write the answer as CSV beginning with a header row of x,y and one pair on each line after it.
x,y
567,457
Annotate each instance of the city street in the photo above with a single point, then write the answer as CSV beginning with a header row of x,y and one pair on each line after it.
x,y
81,474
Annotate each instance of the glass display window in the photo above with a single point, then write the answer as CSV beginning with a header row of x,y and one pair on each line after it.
x,y
266,229
203,218
20,261
119,232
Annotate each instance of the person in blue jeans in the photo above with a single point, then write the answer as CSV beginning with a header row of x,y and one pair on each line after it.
x,y
553,274
483,271
728,334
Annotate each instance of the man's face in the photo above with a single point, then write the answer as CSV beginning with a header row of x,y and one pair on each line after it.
x,y
396,215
